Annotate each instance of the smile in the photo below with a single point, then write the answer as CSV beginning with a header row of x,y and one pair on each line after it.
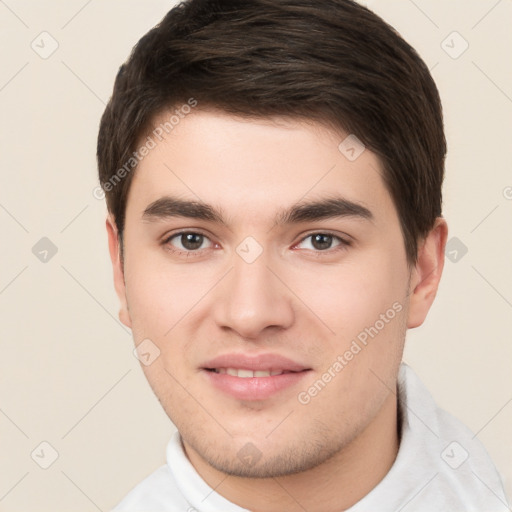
x,y
247,374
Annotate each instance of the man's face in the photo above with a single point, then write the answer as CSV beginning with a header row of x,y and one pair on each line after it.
x,y
287,297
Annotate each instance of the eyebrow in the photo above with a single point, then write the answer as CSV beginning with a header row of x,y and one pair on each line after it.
x,y
327,208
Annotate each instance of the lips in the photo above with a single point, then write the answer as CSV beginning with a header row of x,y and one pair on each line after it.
x,y
244,374
253,377
256,362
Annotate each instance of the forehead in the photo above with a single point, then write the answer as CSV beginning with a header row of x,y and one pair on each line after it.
x,y
255,166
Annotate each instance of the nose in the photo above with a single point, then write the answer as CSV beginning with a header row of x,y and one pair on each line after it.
x,y
252,299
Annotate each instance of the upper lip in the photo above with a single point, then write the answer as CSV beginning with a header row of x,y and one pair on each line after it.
x,y
258,362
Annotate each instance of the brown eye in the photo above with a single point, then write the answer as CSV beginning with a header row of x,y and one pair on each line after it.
x,y
191,241
187,241
322,242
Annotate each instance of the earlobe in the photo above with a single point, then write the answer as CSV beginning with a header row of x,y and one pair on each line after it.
x,y
118,271
427,273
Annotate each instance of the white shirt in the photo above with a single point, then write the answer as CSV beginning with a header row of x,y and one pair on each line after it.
x,y
440,467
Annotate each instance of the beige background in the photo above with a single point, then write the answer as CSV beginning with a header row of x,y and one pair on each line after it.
x,y
67,372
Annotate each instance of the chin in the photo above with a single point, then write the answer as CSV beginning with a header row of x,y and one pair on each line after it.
x,y
258,456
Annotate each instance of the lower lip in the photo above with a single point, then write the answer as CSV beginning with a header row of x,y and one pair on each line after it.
x,y
254,388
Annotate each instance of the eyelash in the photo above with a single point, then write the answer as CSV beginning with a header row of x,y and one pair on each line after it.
x,y
343,243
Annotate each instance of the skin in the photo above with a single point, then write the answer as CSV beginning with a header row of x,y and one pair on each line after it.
x,y
294,300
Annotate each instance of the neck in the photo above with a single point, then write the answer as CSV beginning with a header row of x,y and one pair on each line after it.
x,y
337,484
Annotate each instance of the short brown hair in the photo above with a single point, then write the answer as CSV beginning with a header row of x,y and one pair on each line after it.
x,y
332,61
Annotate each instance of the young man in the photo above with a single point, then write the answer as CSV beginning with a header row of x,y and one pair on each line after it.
x,y
273,173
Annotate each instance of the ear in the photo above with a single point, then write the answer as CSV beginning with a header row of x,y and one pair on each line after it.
x,y
117,267
426,274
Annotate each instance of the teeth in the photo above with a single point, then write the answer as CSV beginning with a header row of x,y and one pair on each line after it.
x,y
245,374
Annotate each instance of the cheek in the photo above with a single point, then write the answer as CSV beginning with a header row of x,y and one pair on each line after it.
x,y
164,302
161,295
351,296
